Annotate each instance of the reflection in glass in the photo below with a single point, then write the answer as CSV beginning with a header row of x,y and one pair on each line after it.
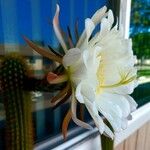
x,y
140,34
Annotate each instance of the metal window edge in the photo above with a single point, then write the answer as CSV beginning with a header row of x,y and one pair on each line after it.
x,y
140,117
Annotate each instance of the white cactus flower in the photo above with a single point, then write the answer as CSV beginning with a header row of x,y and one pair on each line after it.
x,y
103,74
100,72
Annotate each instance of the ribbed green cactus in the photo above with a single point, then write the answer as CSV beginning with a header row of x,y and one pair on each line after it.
x,y
17,102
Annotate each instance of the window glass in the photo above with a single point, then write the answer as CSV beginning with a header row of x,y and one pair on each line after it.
x,y
140,34
34,20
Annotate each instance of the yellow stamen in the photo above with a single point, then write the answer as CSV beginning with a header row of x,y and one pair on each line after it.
x,y
125,79
122,82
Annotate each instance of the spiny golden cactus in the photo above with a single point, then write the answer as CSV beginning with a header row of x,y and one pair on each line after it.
x,y
17,103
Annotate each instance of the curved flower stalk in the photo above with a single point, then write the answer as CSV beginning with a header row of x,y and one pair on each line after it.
x,y
99,73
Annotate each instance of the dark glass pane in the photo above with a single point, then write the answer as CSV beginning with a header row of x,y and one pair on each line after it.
x,y
140,34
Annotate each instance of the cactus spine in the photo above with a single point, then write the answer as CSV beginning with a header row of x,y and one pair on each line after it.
x,y
17,103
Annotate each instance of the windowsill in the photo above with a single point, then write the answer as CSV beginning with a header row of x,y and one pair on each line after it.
x,y
91,137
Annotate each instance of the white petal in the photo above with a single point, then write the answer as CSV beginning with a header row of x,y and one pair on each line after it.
x,y
102,127
122,89
85,90
89,27
85,56
108,73
108,132
78,94
90,104
119,100
74,117
79,72
92,60
99,14
105,27
114,107
110,17
94,114
96,18
86,95
110,114
124,123
88,91
124,105
71,57
136,83
133,104
88,98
